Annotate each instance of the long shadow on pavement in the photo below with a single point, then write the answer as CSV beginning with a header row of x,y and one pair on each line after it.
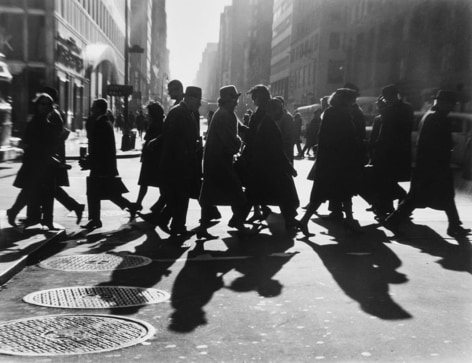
x,y
258,258
456,257
363,267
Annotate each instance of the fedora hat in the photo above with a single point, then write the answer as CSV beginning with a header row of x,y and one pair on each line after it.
x,y
192,91
229,93
446,97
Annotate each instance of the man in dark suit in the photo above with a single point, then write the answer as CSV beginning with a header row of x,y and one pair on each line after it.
x,y
104,181
179,163
432,183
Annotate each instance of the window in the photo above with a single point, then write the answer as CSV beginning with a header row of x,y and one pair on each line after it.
x,y
334,41
36,38
335,71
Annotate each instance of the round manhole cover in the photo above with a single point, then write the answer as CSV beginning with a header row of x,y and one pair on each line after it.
x,y
95,262
71,334
96,297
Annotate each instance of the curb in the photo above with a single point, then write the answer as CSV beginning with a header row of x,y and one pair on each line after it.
x,y
15,251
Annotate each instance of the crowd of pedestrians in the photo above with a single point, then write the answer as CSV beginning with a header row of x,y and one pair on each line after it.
x,y
247,164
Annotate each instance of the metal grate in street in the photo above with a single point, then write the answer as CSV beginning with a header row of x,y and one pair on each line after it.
x,y
53,335
95,262
96,297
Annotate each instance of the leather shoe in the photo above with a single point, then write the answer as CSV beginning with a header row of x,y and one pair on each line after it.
x,y
79,211
11,218
91,224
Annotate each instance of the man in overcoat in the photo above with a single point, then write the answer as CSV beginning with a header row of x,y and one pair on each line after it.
x,y
179,163
221,184
391,157
270,169
104,181
432,184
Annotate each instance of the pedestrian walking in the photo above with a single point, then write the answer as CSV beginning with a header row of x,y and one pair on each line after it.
x,y
297,120
221,184
336,166
287,128
391,155
149,173
37,174
104,182
311,135
260,95
179,162
140,123
56,117
270,169
432,184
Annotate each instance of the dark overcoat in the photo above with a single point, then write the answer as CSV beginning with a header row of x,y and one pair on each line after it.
x,y
432,183
271,174
221,184
41,142
179,161
392,150
104,182
336,170
149,174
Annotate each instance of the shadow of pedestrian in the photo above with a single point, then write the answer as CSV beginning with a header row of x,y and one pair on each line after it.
x,y
456,257
258,258
363,269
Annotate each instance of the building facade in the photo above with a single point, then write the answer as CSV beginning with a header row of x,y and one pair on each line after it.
x,y
281,46
75,46
206,75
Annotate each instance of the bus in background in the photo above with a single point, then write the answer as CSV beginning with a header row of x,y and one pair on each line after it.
x,y
307,113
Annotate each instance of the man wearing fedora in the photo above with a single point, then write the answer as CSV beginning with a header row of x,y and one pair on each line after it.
x,y
391,156
221,183
432,184
179,162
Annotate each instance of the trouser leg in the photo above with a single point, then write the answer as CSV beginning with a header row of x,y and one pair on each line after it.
x,y
93,208
66,200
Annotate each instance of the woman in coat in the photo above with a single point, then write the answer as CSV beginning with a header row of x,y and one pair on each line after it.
x,y
37,175
148,176
336,170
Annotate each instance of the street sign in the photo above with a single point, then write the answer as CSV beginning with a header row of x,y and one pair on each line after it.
x,y
119,90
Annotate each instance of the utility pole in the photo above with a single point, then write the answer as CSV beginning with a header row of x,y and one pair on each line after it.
x,y
126,64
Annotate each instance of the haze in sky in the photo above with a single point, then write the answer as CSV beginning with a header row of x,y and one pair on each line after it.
x,y
191,24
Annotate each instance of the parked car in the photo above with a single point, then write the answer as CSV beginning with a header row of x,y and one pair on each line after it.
x,y
307,113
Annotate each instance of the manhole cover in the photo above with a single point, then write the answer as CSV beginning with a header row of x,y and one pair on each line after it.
x,y
96,297
71,334
95,262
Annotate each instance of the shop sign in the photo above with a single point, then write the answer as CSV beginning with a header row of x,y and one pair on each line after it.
x,y
119,90
68,53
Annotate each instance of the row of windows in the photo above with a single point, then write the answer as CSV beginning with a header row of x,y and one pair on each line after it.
x,y
70,11
311,45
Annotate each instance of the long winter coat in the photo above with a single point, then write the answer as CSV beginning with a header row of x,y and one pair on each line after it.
x,y
338,162
392,150
149,174
104,182
432,183
221,184
41,142
179,161
270,170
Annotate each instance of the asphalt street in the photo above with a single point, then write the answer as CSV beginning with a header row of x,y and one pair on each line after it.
x,y
274,297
